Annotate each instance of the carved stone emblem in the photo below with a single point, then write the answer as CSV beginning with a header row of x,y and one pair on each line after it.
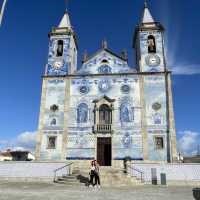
x,y
156,106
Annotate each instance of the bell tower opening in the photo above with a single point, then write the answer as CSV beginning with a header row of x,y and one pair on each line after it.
x,y
60,48
151,44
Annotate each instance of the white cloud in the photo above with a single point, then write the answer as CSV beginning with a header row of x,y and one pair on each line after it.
x,y
188,142
24,141
186,69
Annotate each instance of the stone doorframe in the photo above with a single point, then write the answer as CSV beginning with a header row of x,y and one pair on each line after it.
x,y
106,133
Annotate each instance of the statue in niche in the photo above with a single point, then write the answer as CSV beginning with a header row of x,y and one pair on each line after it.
x,y
82,113
125,113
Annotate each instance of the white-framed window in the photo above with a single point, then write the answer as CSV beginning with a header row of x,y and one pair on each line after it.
x,y
159,142
51,142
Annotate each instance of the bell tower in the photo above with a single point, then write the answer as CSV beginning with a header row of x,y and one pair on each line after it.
x,y
55,98
149,44
62,58
155,89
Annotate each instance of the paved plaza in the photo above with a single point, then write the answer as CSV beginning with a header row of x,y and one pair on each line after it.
x,y
45,191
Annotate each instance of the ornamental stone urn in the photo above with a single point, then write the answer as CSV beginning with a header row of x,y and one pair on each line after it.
x,y
127,160
196,193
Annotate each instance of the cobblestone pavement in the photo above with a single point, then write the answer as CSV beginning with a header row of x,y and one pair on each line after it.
x,y
44,191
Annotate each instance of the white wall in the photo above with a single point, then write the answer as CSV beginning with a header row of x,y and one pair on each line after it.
x,y
174,172
32,170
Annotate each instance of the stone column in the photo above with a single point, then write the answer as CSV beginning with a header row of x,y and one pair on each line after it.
x,y
66,118
143,119
41,121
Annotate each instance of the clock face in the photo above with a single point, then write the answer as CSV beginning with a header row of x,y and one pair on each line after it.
x,y
153,60
57,67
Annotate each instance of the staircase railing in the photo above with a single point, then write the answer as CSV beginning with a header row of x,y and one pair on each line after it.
x,y
132,171
68,171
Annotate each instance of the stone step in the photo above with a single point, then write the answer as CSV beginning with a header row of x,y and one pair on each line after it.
x,y
75,171
108,176
67,180
68,184
69,177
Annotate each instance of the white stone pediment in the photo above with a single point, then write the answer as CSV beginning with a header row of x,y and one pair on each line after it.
x,y
105,62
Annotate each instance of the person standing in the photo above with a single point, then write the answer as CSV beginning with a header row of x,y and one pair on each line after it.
x,y
92,173
97,174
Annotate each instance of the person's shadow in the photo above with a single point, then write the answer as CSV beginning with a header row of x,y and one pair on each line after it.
x,y
83,179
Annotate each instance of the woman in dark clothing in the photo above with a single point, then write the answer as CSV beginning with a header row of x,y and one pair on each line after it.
x,y
97,175
92,173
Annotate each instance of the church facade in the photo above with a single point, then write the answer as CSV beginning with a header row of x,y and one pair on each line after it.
x,y
107,110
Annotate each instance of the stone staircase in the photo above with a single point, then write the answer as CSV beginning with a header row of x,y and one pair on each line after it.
x,y
109,177
117,178
74,179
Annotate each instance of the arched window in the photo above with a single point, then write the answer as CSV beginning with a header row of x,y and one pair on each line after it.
x,y
126,113
105,114
104,61
60,48
53,122
82,113
151,44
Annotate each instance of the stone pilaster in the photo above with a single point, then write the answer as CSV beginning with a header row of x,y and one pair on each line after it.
x,y
66,118
41,121
172,129
143,120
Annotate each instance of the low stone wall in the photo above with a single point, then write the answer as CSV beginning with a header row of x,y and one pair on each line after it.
x,y
30,171
178,174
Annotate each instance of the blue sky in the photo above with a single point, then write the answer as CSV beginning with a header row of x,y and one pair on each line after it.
x,y
24,48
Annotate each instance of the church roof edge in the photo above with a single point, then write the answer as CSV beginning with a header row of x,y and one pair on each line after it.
x,y
107,50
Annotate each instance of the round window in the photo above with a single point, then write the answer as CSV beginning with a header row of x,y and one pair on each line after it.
x,y
84,89
125,89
